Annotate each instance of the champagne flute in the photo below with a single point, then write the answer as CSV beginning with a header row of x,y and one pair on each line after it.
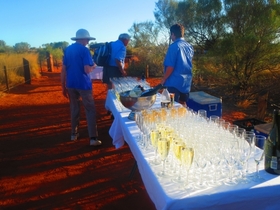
x,y
232,129
214,120
245,149
182,111
215,160
201,163
176,147
258,156
252,135
187,155
163,150
240,133
155,135
230,155
202,113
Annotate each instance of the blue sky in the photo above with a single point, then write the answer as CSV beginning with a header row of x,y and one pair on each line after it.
x,y
39,22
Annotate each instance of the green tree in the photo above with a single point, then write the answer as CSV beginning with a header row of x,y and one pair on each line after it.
x,y
249,53
165,13
147,48
57,45
2,46
56,50
21,47
241,38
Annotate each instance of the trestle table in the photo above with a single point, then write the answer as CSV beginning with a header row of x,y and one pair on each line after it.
x,y
168,195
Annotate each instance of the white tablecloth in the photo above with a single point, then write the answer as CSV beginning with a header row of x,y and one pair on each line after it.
x,y
167,195
97,73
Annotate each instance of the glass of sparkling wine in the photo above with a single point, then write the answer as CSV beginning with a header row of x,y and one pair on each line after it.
x,y
155,135
187,154
163,150
176,147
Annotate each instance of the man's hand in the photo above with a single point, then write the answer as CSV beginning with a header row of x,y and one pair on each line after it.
x,y
89,69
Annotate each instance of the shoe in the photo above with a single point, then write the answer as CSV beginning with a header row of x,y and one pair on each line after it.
x,y
95,142
74,136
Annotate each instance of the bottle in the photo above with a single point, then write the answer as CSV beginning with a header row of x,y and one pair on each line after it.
x,y
272,146
152,91
165,99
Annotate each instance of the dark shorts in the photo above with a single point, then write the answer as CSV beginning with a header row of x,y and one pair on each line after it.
x,y
183,97
109,72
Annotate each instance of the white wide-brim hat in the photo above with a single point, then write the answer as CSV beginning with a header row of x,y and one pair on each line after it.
x,y
82,34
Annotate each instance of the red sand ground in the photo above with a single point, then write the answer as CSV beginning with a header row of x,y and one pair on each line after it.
x,y
40,168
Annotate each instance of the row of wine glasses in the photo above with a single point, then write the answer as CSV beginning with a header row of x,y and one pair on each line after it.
x,y
122,84
220,150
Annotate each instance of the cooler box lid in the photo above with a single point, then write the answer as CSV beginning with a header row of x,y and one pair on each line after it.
x,y
204,98
264,128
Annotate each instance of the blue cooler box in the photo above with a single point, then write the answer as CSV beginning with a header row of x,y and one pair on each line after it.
x,y
201,100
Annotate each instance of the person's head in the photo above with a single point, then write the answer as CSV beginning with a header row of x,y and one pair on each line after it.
x,y
83,37
125,38
177,31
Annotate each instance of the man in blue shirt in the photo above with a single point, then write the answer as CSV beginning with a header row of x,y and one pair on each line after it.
x,y
178,65
117,60
76,84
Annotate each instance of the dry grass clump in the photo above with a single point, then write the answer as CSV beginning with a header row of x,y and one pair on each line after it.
x,y
15,69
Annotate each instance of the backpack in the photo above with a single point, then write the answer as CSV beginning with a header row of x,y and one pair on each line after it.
x,y
102,55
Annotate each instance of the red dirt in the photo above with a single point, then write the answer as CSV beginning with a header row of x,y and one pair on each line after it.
x,y
42,169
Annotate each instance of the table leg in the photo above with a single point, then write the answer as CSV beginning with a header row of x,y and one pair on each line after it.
x,y
134,167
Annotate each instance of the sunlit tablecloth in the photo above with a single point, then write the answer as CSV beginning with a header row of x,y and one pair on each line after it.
x,y
167,195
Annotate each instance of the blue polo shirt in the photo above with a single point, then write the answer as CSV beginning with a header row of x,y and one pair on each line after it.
x,y
76,56
179,56
118,52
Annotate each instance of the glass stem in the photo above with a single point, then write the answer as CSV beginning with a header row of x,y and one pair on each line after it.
x,y
247,167
230,173
200,178
215,175
187,178
257,168
163,167
180,172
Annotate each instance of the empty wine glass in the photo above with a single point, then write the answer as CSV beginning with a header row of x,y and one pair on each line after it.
x,y
163,150
230,156
240,133
224,125
215,160
258,156
201,163
233,129
252,135
214,119
245,148
202,114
